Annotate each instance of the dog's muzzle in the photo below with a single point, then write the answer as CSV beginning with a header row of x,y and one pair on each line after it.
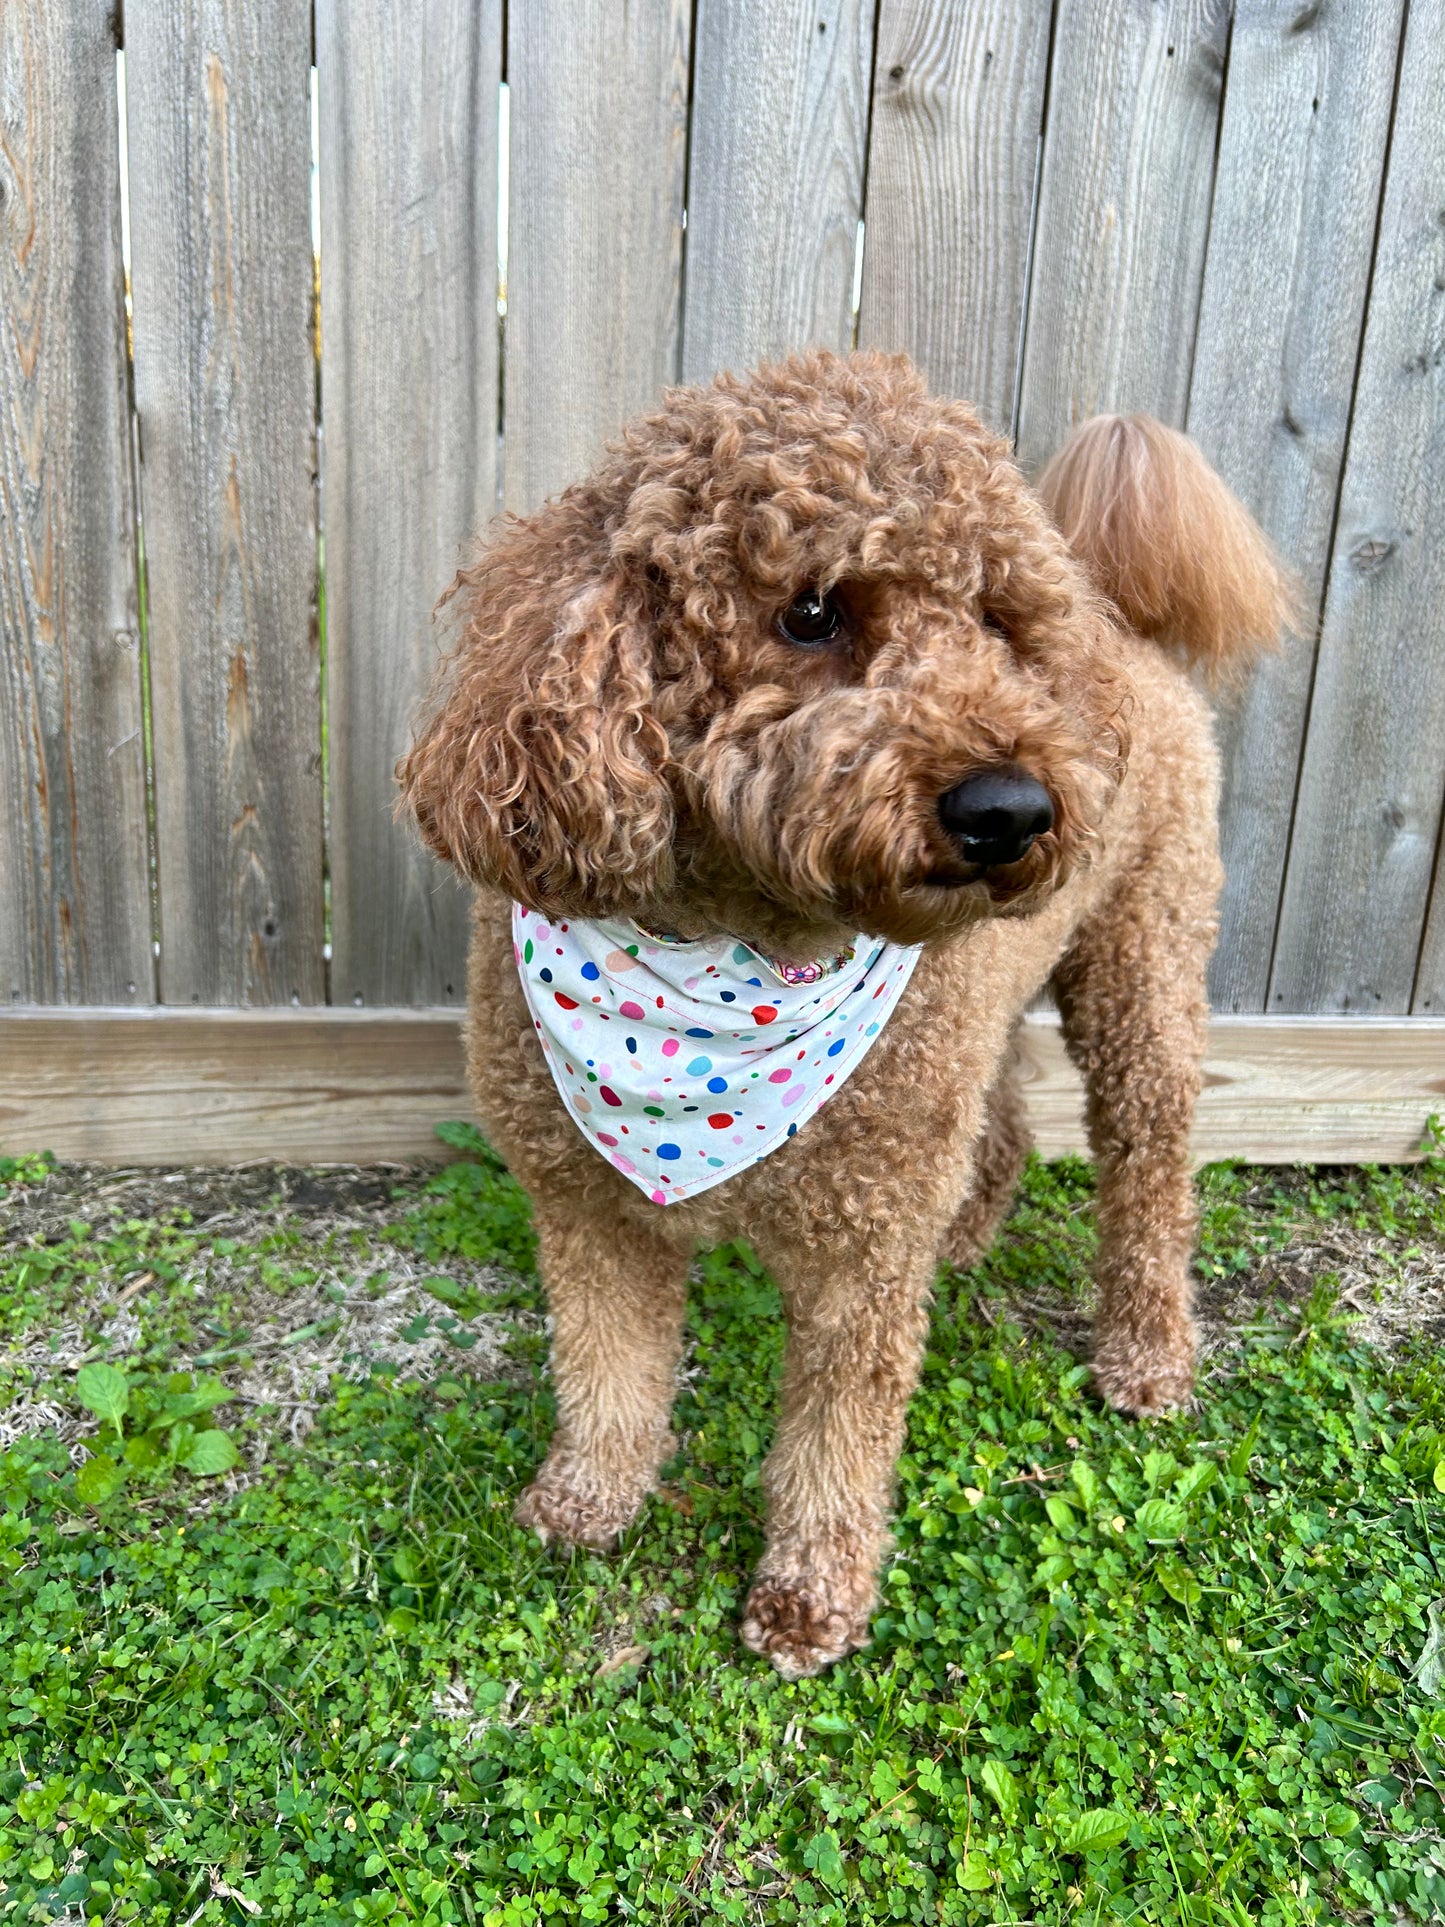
x,y
996,815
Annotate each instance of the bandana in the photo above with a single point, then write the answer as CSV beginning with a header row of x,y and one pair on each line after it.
x,y
683,1063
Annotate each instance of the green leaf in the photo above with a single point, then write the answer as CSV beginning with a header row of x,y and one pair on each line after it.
x,y
1194,1479
1002,1788
1095,1829
1160,1520
105,1391
188,1400
831,1723
401,1620
1061,1513
1179,1582
1158,1466
463,1299
211,1453
98,1479
467,1139
1239,1457
406,1565
975,1876
1086,1483
1341,1820
1439,1478
822,1855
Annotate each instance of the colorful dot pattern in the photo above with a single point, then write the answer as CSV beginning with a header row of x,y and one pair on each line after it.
x,y
683,1063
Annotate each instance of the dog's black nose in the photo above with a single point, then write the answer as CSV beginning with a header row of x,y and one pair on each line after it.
x,y
996,814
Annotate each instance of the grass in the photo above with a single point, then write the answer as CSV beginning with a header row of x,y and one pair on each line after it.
x,y
1182,1672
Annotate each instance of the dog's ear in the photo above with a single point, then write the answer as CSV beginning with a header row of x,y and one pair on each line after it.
x,y
540,769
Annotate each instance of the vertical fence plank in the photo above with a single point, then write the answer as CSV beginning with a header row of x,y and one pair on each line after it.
x,y
408,104
220,156
1123,215
957,105
1367,818
1429,999
1296,197
598,160
74,891
779,130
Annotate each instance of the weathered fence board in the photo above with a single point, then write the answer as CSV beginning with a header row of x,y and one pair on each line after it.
x,y
1216,210
597,168
1296,200
75,921
408,109
1123,213
220,155
1429,998
312,1086
779,131
1367,817
957,109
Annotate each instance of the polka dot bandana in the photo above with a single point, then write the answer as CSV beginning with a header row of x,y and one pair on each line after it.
x,y
682,1063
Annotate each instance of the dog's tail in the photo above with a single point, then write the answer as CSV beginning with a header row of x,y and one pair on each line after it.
x,y
1161,535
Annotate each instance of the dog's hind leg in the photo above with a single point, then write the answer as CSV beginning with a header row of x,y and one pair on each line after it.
x,y
998,1158
617,1297
1132,997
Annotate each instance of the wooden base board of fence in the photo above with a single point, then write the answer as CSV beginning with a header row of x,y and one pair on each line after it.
x,y
323,1086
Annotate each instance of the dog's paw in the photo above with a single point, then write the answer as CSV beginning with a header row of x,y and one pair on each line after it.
x,y
800,1629
556,1506
1144,1378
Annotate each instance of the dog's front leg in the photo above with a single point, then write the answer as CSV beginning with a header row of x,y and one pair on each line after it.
x,y
1131,994
855,1338
617,1298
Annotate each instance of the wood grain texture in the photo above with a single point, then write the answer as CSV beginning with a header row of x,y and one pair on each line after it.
x,y
779,129
1296,198
958,100
74,890
1367,819
1278,1090
192,1086
597,169
225,1086
1123,216
1429,998
408,103
220,156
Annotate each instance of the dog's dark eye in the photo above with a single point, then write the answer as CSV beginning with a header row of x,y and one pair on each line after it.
x,y
810,619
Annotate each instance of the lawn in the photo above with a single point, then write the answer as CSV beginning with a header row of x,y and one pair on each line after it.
x,y
273,1649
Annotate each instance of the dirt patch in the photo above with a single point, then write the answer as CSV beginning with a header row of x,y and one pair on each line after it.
x,y
263,1196
365,1303
351,1301
1391,1289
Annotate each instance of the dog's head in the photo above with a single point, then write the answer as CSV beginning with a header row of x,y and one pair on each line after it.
x,y
803,656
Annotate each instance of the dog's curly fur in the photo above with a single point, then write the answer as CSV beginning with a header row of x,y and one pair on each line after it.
x,y
624,732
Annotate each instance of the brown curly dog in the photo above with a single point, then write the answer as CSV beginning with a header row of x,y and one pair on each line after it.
x,y
805,658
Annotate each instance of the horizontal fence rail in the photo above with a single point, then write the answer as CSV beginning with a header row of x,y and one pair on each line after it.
x,y
347,1085
392,267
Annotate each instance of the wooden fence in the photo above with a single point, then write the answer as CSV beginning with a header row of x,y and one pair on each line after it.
x,y
1233,216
